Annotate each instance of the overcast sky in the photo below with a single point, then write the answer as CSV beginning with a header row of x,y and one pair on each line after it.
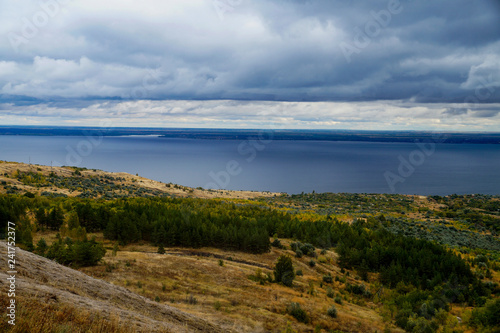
x,y
378,64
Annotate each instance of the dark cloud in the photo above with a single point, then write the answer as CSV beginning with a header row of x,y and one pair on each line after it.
x,y
420,51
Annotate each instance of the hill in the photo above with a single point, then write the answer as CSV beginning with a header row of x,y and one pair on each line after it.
x,y
42,282
92,183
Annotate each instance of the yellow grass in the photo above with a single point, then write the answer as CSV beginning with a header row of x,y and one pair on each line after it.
x,y
227,296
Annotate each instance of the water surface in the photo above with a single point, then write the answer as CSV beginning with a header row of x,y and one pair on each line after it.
x,y
278,166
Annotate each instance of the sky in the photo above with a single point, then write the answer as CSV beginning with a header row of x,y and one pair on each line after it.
x,y
315,64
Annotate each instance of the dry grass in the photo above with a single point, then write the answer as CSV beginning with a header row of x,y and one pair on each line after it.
x,y
228,297
39,280
33,315
10,168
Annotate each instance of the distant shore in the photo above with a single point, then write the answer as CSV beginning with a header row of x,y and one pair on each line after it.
x,y
267,134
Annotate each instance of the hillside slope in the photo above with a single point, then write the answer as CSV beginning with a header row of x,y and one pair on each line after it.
x,y
42,279
93,183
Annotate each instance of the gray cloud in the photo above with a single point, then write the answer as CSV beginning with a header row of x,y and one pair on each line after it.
x,y
423,52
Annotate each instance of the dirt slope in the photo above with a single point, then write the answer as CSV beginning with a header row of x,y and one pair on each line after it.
x,y
48,281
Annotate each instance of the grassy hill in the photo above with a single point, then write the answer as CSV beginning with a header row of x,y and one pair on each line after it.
x,y
228,286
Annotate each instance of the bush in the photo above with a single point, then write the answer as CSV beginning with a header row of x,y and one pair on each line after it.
x,y
327,278
359,290
299,272
308,250
329,292
284,271
276,243
297,312
332,311
312,263
287,278
299,254
338,300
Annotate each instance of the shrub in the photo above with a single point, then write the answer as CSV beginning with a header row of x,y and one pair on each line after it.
x,y
217,305
332,311
329,292
297,312
221,262
276,243
308,250
299,254
299,272
338,300
115,249
259,277
312,263
157,299
311,290
327,278
287,278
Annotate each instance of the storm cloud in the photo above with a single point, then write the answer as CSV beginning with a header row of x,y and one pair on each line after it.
x,y
60,59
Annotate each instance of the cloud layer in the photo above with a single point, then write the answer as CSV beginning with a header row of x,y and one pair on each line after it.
x,y
60,59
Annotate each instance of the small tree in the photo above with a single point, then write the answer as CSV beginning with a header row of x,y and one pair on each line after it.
x,y
115,249
161,249
284,271
41,247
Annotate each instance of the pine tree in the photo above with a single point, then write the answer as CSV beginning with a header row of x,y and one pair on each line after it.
x,y
284,271
41,247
